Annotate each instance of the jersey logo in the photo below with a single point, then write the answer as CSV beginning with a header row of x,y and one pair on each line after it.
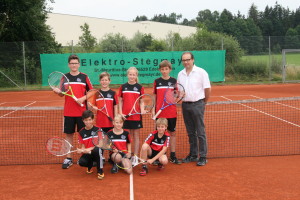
x,y
93,133
123,137
109,95
125,88
78,80
169,83
162,141
155,140
84,135
139,125
135,89
159,84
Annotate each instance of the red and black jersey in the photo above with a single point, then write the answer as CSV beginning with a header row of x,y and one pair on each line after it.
x,y
120,141
159,87
85,136
80,85
157,143
129,94
111,99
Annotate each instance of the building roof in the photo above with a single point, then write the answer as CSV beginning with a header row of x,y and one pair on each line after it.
x,y
66,28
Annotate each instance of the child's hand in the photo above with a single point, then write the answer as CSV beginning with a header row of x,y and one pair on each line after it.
x,y
57,91
150,161
79,151
128,155
123,116
81,100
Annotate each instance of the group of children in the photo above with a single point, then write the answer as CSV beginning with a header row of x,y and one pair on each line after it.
x,y
121,129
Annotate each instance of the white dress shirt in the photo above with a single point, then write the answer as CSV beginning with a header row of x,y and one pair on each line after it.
x,y
194,83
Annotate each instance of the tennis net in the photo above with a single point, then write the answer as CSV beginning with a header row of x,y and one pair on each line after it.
x,y
255,127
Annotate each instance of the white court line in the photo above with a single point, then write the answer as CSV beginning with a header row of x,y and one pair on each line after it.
x,y
267,114
282,104
17,109
131,186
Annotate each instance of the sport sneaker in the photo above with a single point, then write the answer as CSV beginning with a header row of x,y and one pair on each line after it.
x,y
175,161
202,161
114,169
100,176
144,171
67,163
190,158
160,167
156,162
89,171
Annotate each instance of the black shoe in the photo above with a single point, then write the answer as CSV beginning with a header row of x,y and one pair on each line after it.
x,y
114,169
202,161
190,158
155,163
175,160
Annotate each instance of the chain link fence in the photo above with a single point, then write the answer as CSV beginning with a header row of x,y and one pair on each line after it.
x,y
262,57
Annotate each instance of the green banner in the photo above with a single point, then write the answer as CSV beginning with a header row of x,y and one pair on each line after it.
x,y
146,62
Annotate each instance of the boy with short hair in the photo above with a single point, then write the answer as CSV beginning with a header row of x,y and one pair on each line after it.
x,y
89,152
80,84
170,113
156,146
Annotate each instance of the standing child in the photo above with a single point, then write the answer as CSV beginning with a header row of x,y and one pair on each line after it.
x,y
155,146
128,93
170,113
111,101
121,140
90,153
80,84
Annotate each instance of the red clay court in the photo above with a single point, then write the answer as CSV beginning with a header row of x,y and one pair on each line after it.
x,y
254,152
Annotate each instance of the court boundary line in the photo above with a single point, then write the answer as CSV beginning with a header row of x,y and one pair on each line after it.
x,y
270,115
17,109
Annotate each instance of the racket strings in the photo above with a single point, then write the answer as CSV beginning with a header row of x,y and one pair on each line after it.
x,y
57,146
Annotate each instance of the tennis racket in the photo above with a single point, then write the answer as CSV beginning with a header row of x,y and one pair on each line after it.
x,y
58,146
60,84
134,159
97,102
173,95
101,140
142,105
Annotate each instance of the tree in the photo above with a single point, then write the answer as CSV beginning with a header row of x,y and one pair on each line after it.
x,y
87,40
23,20
140,18
253,14
145,42
115,43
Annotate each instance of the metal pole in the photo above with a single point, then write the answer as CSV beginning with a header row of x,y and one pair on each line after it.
x,y
24,65
270,65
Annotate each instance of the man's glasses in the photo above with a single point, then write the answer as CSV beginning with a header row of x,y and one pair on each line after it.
x,y
73,63
186,60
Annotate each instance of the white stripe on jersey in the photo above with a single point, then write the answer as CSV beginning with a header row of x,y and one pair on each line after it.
x,y
118,140
87,138
150,135
77,83
131,92
106,99
161,87
157,144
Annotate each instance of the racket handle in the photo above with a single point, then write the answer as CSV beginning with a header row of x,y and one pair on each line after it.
x,y
75,98
155,116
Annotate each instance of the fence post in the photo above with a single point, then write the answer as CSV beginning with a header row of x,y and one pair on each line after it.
x,y
270,68
24,65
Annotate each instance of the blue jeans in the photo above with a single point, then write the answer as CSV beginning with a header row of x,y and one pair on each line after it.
x,y
193,115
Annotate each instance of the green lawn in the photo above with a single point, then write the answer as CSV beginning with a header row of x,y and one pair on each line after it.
x,y
291,58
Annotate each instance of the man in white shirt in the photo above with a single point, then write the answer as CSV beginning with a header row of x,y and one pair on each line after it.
x,y
197,87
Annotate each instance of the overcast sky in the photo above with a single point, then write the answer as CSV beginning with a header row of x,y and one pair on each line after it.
x,y
127,10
